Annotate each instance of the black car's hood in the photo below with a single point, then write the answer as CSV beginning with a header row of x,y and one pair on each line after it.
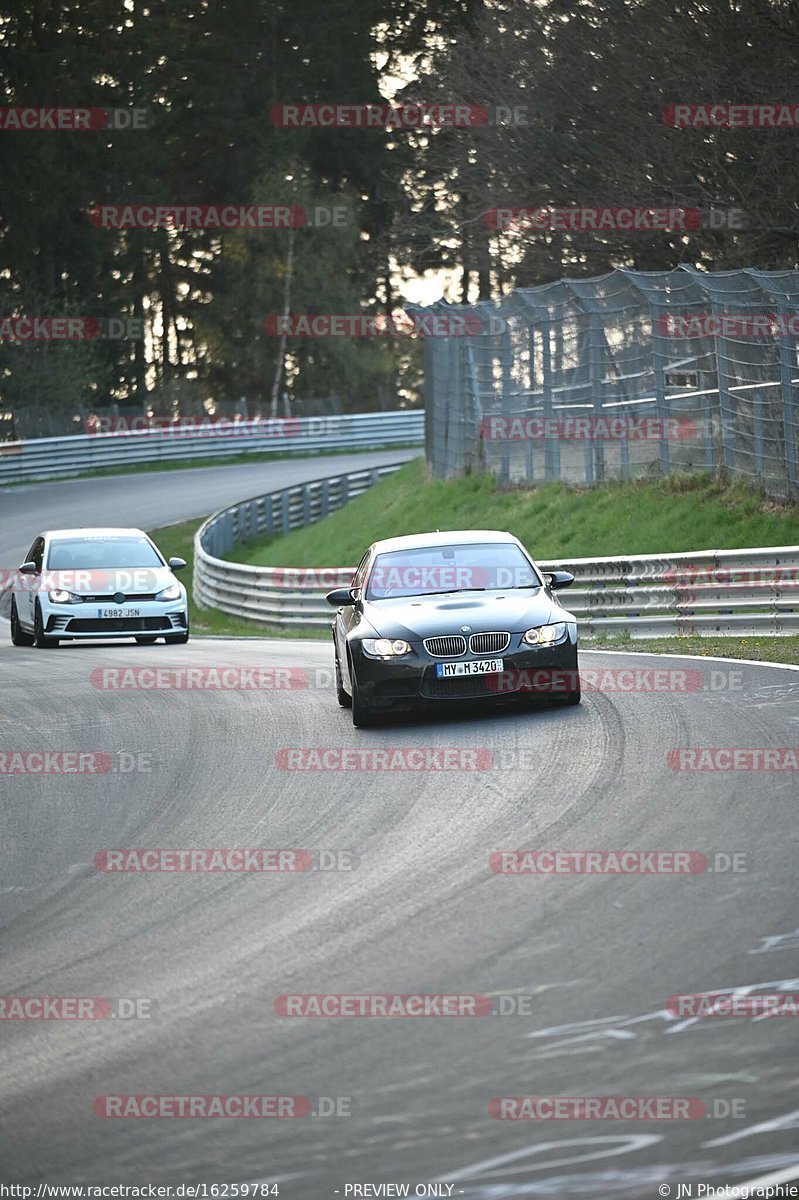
x,y
416,617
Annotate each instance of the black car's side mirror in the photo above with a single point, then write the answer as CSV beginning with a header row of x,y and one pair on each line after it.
x,y
559,579
29,568
176,564
341,597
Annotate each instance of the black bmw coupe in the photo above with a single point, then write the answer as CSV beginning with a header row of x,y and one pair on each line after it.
x,y
445,617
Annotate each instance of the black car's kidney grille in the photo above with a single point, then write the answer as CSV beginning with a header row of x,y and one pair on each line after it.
x,y
489,643
446,647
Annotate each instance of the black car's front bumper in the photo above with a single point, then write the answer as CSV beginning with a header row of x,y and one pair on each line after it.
x,y
411,680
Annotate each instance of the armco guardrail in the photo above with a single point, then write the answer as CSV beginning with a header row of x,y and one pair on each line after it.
x,y
274,594
725,593
51,458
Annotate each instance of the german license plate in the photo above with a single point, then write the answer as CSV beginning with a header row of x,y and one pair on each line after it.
x,y
481,666
121,612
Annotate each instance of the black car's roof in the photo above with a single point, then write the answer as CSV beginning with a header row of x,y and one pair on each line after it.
x,y
444,537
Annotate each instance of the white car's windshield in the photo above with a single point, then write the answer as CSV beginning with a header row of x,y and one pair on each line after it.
x,y
432,570
67,554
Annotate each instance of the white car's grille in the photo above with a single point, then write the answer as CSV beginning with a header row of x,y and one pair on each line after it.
x,y
109,598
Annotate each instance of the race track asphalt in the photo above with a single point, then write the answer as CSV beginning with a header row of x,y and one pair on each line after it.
x,y
586,961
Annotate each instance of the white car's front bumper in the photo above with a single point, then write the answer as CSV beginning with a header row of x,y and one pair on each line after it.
x,y
86,621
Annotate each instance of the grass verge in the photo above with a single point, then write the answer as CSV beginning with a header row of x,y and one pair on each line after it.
x,y
672,515
760,649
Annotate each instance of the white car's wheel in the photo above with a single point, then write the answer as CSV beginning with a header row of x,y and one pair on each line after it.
x,y
18,635
39,639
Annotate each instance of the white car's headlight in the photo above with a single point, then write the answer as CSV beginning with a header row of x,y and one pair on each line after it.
x,y
385,647
60,596
544,635
169,593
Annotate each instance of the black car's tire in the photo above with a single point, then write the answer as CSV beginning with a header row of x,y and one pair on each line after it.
x,y
39,640
362,715
145,641
18,635
570,698
344,698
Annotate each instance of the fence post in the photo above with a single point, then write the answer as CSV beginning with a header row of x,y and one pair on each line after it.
x,y
726,409
596,352
506,361
788,392
659,358
475,455
551,445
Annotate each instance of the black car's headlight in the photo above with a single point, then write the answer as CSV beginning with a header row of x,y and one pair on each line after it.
x,y
385,647
61,596
169,593
545,635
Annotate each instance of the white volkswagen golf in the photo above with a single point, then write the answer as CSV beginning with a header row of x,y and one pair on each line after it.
x,y
89,584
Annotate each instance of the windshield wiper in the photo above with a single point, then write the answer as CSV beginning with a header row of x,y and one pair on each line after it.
x,y
417,595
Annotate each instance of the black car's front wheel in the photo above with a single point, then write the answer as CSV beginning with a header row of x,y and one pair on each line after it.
x,y
362,715
344,698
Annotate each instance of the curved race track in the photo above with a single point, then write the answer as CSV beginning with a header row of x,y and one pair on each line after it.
x,y
419,912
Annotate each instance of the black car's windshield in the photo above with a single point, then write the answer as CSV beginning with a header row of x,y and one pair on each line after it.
x,y
433,570
68,554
